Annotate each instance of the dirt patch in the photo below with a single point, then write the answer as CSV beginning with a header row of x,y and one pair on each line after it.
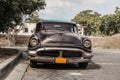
x,y
6,53
107,42
3,40
21,40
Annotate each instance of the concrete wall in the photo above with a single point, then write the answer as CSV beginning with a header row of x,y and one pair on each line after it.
x,y
26,29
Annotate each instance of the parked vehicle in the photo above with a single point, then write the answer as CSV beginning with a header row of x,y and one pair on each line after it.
x,y
59,43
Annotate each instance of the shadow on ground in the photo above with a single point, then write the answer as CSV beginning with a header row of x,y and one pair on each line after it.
x,y
91,66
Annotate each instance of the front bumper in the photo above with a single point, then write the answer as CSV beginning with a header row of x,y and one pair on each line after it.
x,y
86,56
52,60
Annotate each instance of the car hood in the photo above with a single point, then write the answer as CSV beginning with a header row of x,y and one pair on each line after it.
x,y
60,39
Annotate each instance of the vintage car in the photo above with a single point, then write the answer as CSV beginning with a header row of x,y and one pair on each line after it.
x,y
58,42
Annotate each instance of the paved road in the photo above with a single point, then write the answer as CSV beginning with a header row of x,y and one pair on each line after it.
x,y
105,65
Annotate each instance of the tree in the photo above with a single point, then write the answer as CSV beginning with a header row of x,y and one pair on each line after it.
x,y
12,11
33,18
91,20
111,23
95,24
117,17
108,24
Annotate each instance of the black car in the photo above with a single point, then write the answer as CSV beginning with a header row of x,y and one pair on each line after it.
x,y
58,43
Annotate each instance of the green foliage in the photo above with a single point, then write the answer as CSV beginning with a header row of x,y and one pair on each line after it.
x,y
111,23
12,11
95,24
90,20
33,18
108,24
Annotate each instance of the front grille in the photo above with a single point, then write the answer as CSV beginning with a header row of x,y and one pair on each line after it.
x,y
71,54
57,54
49,53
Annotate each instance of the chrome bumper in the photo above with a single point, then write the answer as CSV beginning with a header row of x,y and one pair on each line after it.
x,y
52,60
56,48
86,56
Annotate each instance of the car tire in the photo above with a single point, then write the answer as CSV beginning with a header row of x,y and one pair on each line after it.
x,y
83,65
33,64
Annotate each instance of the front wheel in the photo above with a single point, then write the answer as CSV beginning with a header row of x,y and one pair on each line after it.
x,y
33,64
83,65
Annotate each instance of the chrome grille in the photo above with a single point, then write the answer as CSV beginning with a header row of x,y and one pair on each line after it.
x,y
49,53
57,54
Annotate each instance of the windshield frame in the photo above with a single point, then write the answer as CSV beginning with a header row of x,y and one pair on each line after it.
x,y
75,29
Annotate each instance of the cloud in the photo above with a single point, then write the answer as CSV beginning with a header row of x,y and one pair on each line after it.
x,y
56,9
64,9
93,2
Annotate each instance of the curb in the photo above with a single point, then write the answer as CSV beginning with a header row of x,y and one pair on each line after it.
x,y
7,66
18,72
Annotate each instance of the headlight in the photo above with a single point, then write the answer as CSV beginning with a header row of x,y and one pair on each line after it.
x,y
34,42
86,43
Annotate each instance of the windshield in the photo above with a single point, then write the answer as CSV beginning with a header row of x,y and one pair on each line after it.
x,y
59,26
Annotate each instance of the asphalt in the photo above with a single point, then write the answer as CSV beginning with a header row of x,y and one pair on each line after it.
x,y
105,65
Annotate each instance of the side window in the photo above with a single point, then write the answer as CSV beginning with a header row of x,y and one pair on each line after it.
x,y
38,27
25,30
72,30
75,29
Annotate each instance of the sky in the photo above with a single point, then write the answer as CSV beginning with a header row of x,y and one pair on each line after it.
x,y
67,9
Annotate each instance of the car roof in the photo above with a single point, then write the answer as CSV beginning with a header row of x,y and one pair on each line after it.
x,y
58,21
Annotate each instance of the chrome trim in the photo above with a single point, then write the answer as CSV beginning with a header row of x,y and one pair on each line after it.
x,y
52,59
56,48
84,55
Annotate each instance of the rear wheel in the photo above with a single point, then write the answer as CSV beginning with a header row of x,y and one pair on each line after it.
x,y
33,64
83,65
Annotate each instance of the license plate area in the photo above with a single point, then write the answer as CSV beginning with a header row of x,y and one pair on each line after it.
x,y
60,60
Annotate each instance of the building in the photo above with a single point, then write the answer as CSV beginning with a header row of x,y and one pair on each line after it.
x,y
81,29
26,29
